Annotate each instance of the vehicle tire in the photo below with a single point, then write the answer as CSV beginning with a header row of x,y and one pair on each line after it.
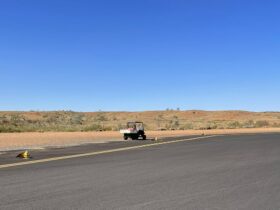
x,y
144,137
125,137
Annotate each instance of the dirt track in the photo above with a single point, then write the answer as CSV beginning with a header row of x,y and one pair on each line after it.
x,y
11,141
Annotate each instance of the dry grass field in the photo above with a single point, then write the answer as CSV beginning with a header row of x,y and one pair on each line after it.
x,y
64,121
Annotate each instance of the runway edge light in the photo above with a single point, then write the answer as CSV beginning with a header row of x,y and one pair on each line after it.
x,y
24,155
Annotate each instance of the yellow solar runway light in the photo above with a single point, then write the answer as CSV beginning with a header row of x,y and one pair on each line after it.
x,y
24,155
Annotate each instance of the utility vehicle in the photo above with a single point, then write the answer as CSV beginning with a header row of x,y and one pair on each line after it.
x,y
134,130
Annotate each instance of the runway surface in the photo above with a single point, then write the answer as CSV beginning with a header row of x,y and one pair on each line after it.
x,y
222,172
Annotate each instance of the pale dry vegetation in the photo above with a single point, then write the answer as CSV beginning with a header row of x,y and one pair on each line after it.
x,y
154,120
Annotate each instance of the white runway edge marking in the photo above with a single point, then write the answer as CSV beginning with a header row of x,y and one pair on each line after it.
x,y
99,152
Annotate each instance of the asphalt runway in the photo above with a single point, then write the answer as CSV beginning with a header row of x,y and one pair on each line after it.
x,y
219,172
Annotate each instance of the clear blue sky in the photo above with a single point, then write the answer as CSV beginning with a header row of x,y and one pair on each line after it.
x,y
139,55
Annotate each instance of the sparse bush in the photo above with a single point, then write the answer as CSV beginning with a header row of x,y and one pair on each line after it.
x,y
94,127
101,117
212,126
249,124
188,126
262,124
77,119
235,124
10,129
276,125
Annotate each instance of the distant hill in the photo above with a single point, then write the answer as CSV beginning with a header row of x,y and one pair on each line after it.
x,y
154,120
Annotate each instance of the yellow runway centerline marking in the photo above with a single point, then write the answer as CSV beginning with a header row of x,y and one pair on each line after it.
x,y
98,152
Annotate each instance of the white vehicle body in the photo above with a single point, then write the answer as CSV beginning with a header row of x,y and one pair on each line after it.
x,y
128,131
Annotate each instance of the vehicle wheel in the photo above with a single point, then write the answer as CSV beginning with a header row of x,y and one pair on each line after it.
x,y
144,137
125,137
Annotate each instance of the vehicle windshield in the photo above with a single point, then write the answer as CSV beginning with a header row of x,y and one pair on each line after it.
x,y
137,126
